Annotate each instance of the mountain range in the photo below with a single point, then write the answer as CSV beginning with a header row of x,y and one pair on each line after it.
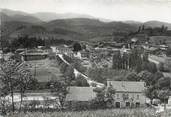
x,y
66,26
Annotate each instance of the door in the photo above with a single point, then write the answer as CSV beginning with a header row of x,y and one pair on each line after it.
x,y
127,104
117,104
137,104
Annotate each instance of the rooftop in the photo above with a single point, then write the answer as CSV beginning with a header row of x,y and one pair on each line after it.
x,y
127,86
80,94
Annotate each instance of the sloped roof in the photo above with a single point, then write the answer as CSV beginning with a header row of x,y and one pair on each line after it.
x,y
166,74
134,39
127,86
80,94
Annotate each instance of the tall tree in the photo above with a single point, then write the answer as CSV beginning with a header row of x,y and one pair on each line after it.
x,y
14,76
147,77
163,96
24,81
77,47
9,77
60,89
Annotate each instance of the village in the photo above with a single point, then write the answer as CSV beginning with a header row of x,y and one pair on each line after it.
x,y
85,58
49,65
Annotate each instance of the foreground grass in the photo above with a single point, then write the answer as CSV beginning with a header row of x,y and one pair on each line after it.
x,y
97,113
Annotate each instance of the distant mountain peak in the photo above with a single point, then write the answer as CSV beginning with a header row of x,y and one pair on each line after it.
x,y
49,16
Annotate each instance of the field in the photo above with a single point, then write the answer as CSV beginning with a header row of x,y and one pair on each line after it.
x,y
97,113
44,70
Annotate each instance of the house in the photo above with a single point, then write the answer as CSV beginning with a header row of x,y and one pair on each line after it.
x,y
160,59
80,94
40,96
158,40
139,38
20,50
53,49
166,74
128,94
34,55
84,55
86,63
156,59
64,49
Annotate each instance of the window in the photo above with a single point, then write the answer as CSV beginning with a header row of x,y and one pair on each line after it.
x,y
117,96
138,97
125,96
127,104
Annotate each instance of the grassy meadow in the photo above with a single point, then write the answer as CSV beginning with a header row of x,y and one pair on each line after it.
x,y
95,113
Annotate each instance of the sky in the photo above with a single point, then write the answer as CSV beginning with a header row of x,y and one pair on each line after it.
x,y
117,10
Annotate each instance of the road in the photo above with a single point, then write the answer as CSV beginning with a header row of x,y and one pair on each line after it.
x,y
91,83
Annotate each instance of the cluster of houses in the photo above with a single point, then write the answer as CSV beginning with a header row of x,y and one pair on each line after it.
x,y
127,94
100,57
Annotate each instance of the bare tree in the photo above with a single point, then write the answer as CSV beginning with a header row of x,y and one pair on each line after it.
x,y
8,78
60,89
24,80
14,76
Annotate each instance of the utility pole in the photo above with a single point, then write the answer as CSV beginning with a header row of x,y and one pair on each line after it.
x,y
35,70
1,36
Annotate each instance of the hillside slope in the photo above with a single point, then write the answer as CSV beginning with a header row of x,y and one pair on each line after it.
x,y
72,29
9,16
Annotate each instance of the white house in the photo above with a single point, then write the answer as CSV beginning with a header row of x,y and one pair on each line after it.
x,y
29,97
128,94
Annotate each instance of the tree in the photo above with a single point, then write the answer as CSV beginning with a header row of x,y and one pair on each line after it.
x,y
15,77
60,89
151,93
33,84
109,96
69,74
24,81
148,66
77,65
77,47
161,67
97,75
99,101
139,29
116,60
135,59
80,81
146,76
164,83
163,96
132,77
152,67
104,97
63,67
9,77
156,77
